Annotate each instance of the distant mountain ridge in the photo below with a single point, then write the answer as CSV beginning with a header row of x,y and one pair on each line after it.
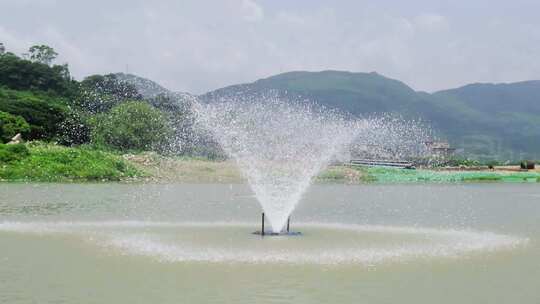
x,y
146,87
483,120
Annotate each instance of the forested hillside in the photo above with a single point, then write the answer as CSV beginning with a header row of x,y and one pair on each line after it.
x,y
482,120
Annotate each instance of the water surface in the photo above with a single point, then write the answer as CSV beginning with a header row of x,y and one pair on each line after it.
x,y
118,243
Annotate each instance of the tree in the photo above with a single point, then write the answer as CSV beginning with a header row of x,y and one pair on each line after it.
x,y
2,49
99,93
10,125
132,125
44,114
20,74
42,54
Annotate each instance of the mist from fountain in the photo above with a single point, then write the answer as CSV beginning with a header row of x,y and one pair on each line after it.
x,y
280,144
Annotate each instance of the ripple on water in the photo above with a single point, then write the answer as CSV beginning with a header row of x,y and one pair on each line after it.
x,y
365,245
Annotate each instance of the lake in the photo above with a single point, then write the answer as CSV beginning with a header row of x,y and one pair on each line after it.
x,y
193,243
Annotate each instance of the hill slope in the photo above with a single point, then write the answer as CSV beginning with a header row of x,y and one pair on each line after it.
x,y
485,120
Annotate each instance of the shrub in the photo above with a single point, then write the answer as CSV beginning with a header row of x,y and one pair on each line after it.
x,y
527,164
11,153
10,125
132,125
458,162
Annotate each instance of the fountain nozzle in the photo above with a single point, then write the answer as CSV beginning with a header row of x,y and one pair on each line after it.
x,y
287,231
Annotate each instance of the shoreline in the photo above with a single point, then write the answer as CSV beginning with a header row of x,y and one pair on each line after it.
x,y
192,170
46,163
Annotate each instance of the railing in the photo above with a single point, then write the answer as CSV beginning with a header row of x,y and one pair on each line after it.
x,y
382,163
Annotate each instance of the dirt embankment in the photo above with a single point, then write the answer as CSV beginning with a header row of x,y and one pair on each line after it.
x,y
193,170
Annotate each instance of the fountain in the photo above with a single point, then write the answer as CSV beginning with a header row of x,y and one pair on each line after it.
x,y
278,144
281,144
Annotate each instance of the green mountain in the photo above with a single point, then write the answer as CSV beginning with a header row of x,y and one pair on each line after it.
x,y
146,87
484,120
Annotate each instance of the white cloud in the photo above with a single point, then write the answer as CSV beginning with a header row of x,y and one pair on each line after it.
x,y
13,42
252,11
431,21
202,45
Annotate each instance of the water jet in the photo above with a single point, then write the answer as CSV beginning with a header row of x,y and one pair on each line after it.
x,y
280,144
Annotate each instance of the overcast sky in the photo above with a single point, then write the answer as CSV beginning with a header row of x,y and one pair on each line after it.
x,y
201,45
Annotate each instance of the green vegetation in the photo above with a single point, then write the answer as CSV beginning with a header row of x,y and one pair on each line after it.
x,y
464,162
84,126
392,175
10,125
488,121
42,54
12,153
100,93
43,113
33,75
58,108
131,126
52,163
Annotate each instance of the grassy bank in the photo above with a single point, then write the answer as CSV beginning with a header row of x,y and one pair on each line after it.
x,y
38,162
391,175
52,163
